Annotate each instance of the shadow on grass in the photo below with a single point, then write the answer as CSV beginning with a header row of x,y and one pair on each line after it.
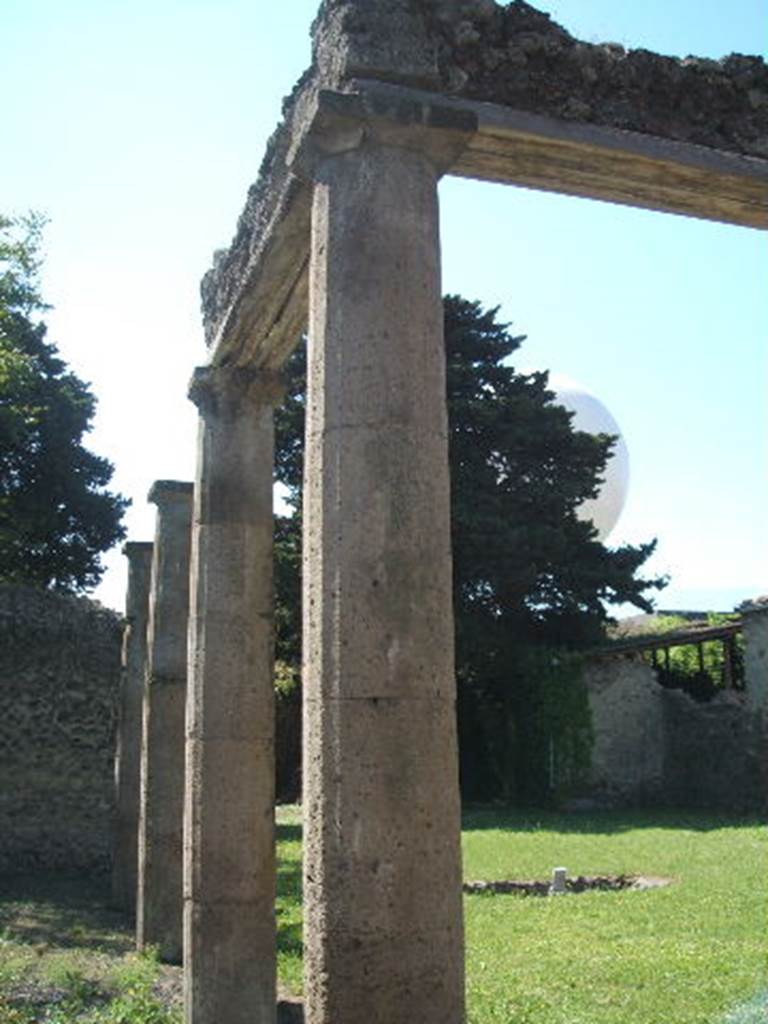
x,y
599,822
289,866
289,879
289,892
476,817
68,911
288,833
289,939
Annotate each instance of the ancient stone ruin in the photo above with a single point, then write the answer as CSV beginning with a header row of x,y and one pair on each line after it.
x,y
59,678
654,745
340,233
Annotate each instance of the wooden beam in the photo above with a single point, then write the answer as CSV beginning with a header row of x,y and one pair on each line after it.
x,y
654,642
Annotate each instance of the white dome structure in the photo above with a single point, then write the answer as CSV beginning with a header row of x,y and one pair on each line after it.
x,y
591,416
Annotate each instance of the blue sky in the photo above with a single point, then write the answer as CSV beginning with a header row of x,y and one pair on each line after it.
x,y
138,127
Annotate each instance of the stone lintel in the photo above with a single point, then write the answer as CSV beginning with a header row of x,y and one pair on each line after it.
x,y
163,491
267,312
601,162
265,318
471,139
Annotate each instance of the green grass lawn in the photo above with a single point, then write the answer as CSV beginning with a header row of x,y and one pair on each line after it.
x,y
692,953
66,957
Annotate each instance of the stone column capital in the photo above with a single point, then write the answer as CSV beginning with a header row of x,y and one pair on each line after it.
x,y
134,549
164,492
374,114
225,391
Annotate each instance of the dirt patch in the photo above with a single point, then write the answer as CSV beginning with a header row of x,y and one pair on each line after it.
x,y
577,884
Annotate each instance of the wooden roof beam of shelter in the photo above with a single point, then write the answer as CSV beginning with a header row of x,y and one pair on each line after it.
x,y
677,638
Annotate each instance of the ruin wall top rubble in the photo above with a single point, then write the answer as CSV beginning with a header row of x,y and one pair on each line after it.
x,y
511,55
517,56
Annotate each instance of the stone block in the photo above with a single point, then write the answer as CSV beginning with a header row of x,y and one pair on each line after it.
x,y
219,939
230,824
375,831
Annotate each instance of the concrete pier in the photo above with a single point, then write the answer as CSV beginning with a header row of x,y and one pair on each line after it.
x,y
128,750
159,904
382,871
229,877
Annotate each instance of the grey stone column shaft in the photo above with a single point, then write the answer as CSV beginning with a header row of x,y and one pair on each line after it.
x,y
128,750
755,615
229,867
159,905
382,867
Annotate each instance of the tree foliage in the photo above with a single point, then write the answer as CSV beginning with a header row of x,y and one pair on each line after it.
x,y
523,560
56,516
530,577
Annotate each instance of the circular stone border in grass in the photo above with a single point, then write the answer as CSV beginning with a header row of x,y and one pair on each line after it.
x,y
577,884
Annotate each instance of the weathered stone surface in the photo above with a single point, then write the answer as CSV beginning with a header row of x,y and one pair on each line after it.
x,y
369,39
59,683
128,750
230,839
229,867
378,631
716,753
382,862
628,720
159,904
661,747
339,122
755,615
390,752
254,297
218,961
517,56
271,233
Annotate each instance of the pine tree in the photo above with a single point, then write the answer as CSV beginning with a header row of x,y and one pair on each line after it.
x,y
56,516
529,575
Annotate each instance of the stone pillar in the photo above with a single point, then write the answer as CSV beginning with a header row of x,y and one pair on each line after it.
x,y
128,751
229,861
382,871
755,615
159,904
